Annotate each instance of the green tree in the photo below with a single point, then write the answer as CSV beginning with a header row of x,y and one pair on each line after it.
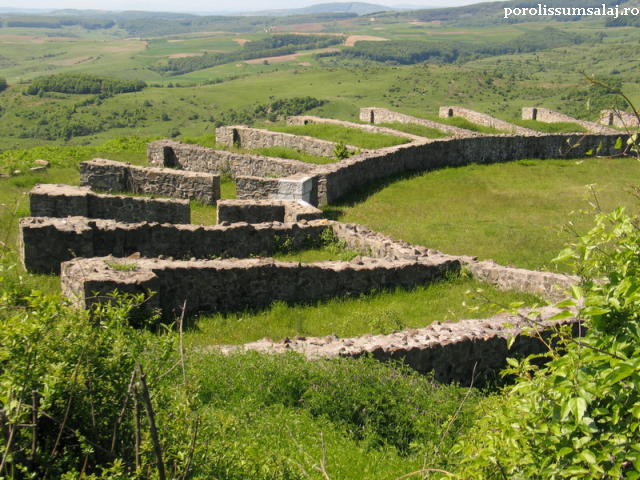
x,y
3,83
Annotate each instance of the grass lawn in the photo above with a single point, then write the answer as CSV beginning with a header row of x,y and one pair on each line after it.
x,y
512,212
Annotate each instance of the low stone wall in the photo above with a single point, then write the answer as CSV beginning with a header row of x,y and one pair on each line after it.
x,y
550,116
484,119
338,179
254,138
547,285
168,153
294,187
218,285
52,200
108,175
383,115
260,211
47,242
618,118
470,351
306,119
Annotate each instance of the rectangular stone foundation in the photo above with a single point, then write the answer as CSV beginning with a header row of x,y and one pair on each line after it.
x,y
218,285
53,200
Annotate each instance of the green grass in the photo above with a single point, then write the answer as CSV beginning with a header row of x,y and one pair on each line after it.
x,y
348,136
416,129
511,212
289,153
381,312
461,122
556,127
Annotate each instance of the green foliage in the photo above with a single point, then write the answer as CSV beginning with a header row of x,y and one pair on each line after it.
x,y
380,404
271,46
3,83
341,151
76,83
578,416
339,134
81,373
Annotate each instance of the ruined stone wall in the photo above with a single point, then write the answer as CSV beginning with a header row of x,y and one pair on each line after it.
x,y
254,138
167,153
383,115
484,119
259,211
618,118
294,187
550,116
337,180
107,175
217,285
467,352
49,200
47,242
306,119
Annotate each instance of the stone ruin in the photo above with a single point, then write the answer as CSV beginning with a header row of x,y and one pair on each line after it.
x,y
208,268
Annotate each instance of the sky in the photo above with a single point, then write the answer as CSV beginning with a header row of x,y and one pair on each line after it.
x,y
205,6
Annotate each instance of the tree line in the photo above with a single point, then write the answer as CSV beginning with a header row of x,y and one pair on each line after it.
x,y
272,46
81,83
412,52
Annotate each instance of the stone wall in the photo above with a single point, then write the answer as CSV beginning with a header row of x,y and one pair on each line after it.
x,y
383,115
47,242
484,119
293,187
260,211
51,200
218,285
107,175
618,118
253,138
338,179
549,116
452,352
167,153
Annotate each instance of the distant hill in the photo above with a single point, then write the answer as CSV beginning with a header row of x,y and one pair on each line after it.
x,y
358,8
492,13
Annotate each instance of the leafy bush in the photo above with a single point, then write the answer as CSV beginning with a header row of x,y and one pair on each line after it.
x,y
579,416
3,83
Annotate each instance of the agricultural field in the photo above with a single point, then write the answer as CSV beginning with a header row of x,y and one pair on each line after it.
x,y
248,415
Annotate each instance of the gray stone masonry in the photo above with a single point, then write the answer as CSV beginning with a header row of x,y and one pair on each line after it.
x,y
193,158
383,115
453,352
484,119
619,118
46,242
306,119
549,116
220,285
254,138
52,200
294,187
260,211
111,176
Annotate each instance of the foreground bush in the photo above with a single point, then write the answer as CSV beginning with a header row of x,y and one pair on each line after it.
x,y
578,417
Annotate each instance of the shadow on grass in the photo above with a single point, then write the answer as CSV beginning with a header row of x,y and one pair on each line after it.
x,y
361,194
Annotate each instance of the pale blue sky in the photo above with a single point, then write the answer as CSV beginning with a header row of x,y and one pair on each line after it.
x,y
203,5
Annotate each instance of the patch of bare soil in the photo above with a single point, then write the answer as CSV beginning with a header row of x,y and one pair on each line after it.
x,y
241,41
183,55
352,39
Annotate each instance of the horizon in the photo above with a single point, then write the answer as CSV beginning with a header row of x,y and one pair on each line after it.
x,y
203,8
